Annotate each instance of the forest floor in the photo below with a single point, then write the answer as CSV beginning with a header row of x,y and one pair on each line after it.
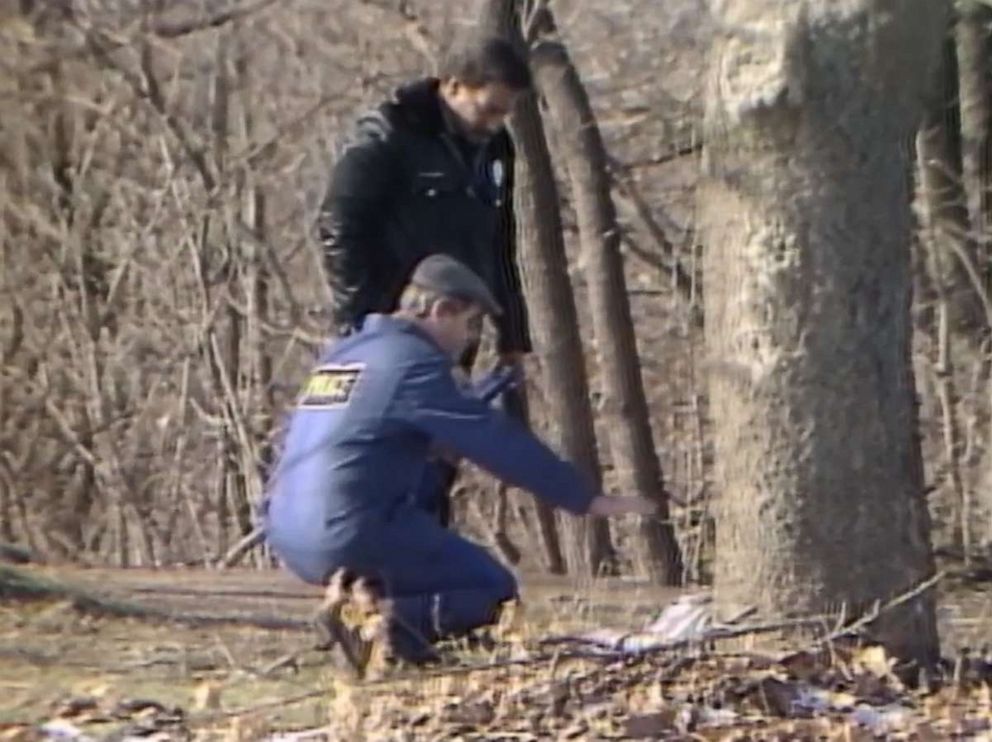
x,y
67,673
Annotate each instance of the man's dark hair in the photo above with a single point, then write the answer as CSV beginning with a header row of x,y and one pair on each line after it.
x,y
487,60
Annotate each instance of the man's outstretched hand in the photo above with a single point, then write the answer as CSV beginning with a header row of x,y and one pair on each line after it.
x,y
610,506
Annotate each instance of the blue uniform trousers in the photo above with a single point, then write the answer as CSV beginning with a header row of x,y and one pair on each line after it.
x,y
441,584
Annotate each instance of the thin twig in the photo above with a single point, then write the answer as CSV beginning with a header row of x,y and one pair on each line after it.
x,y
214,716
878,609
176,29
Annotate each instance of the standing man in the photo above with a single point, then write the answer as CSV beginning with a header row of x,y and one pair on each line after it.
x,y
344,509
431,171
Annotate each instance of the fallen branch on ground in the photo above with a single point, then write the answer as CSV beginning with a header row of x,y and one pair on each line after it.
x,y
20,584
237,552
878,609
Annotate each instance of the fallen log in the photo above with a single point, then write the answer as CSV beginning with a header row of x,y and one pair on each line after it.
x,y
16,554
22,584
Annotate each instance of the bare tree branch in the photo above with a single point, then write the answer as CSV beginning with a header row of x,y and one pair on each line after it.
x,y
176,29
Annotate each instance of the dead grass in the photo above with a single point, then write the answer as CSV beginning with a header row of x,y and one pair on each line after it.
x,y
107,677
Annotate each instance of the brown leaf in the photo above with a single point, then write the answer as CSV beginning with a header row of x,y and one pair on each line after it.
x,y
206,697
803,665
130,707
577,730
873,688
73,707
777,697
983,697
17,733
926,733
645,726
560,694
974,728
873,659
475,714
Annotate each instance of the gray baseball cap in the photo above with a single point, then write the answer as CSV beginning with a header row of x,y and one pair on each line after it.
x,y
449,277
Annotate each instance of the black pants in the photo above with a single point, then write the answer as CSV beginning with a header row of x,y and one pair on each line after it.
x,y
514,404
446,471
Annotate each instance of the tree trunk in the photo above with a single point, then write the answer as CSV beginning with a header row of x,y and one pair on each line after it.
x,y
638,469
951,267
256,282
501,16
805,212
516,404
975,100
552,304
945,202
973,34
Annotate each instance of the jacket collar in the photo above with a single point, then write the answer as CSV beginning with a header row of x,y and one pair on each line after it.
x,y
420,106
419,102
384,323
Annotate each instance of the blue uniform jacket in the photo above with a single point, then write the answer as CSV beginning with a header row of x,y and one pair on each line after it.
x,y
367,418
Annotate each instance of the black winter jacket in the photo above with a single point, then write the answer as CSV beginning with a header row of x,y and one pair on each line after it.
x,y
404,187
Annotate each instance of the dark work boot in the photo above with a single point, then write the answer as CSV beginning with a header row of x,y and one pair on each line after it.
x,y
326,617
354,617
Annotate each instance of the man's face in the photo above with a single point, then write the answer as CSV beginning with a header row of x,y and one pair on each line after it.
x,y
481,111
457,326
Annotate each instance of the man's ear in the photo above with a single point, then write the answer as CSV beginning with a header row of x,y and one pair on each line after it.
x,y
445,308
450,86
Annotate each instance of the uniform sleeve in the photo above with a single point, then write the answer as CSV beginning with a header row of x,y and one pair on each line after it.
x,y
349,226
432,403
512,326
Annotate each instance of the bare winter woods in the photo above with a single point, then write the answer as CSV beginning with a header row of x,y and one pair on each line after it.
x,y
160,167
162,288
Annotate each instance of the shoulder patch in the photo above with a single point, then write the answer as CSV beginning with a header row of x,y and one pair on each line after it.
x,y
330,386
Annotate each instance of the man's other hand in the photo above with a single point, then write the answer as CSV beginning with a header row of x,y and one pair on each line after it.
x,y
512,358
461,376
611,506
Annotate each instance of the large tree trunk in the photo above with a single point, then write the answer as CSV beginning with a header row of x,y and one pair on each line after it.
x,y
656,552
552,305
805,212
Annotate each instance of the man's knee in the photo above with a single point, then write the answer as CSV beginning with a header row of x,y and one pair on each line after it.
x,y
508,588
499,580
309,568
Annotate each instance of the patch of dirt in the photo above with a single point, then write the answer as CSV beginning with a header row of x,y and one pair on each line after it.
x,y
87,671
109,678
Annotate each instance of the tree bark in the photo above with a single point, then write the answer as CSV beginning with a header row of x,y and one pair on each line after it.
x,y
552,304
972,34
951,267
256,281
945,203
636,462
516,404
805,212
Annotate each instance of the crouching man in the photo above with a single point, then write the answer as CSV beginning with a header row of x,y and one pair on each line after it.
x,y
344,509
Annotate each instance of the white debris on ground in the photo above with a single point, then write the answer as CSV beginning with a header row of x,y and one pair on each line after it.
x,y
689,622
689,618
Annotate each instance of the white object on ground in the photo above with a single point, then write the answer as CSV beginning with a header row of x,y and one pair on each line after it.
x,y
688,618
60,729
